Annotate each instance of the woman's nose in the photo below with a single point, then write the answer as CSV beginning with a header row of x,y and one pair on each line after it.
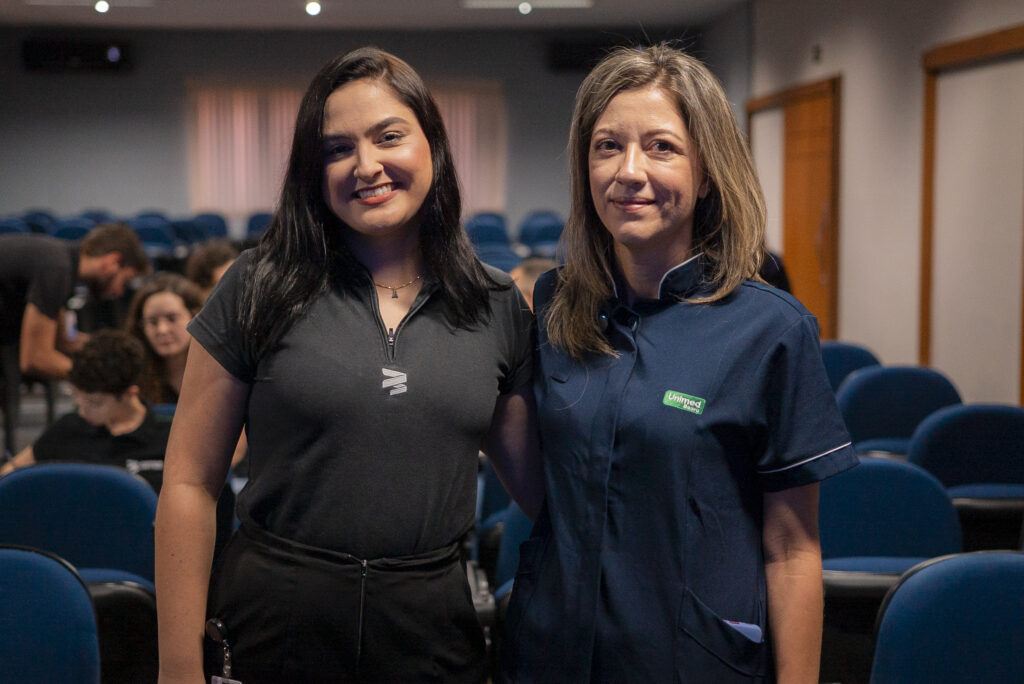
x,y
631,168
368,164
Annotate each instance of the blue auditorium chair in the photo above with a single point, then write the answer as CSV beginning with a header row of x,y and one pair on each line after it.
x,y
883,405
212,224
13,225
73,228
876,521
257,224
40,220
540,231
98,215
47,626
842,358
98,518
487,228
953,620
498,255
156,235
977,452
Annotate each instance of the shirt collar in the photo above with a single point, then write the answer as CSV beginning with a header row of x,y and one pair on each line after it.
x,y
682,280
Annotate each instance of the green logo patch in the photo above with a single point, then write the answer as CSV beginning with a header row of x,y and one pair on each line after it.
x,y
684,401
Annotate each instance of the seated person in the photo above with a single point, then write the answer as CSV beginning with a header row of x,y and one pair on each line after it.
x,y
112,426
208,263
525,275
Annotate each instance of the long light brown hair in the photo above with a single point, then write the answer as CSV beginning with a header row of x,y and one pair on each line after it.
x,y
728,225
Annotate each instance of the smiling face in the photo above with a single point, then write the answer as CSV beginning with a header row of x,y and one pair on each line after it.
x,y
645,174
377,164
164,317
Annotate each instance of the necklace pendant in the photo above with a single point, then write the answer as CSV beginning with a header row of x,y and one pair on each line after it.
x,y
394,294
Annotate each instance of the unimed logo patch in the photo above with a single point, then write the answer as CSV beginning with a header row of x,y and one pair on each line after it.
x,y
684,402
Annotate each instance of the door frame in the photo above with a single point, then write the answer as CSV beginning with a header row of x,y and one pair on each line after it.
x,y
832,88
955,56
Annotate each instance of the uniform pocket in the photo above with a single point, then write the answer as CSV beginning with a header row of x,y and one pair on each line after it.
x,y
711,649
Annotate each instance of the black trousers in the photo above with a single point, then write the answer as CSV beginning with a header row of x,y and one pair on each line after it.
x,y
295,613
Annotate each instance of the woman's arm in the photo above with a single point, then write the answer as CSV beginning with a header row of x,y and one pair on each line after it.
x,y
203,436
792,556
514,449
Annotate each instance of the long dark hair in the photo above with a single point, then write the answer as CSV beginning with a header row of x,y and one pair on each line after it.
x,y
303,248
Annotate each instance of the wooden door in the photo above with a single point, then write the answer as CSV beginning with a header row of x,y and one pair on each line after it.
x,y
809,196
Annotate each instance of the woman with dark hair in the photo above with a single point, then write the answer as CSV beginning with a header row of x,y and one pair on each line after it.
x,y
684,411
369,354
158,317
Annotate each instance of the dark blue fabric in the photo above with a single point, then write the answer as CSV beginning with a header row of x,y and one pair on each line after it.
x,y
842,358
891,401
47,626
886,507
516,531
656,464
956,620
881,564
891,445
93,516
974,444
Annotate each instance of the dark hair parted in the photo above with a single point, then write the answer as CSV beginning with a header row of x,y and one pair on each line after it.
x,y
205,259
110,362
116,237
728,224
151,380
303,248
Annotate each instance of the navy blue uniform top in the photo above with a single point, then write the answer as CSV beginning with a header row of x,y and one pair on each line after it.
x,y
656,462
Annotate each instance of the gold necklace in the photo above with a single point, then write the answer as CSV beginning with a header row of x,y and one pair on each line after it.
x,y
395,288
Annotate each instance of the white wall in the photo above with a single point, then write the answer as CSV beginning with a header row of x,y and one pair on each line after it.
x,y
876,45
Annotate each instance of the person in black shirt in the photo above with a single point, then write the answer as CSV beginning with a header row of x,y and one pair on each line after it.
x,y
369,355
111,426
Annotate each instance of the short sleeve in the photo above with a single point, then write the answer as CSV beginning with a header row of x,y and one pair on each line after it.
x,y
520,331
806,438
216,327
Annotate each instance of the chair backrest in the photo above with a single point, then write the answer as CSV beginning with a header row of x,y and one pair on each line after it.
x,y
213,225
14,225
498,255
93,516
971,444
956,619
97,215
258,223
891,401
486,228
517,530
541,227
47,625
39,220
886,507
842,358
73,228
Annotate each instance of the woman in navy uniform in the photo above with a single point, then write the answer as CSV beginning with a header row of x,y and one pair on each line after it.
x,y
369,354
685,415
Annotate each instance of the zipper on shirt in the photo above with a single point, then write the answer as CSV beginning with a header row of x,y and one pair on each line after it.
x,y
391,342
390,335
362,599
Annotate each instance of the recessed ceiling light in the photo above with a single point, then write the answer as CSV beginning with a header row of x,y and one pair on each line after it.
x,y
525,8
102,6
532,4
313,8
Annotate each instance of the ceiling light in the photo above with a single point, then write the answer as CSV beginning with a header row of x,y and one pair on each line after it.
x,y
102,6
525,8
532,4
313,8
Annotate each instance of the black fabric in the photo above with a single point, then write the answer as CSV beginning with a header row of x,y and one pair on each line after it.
x,y
34,268
71,438
292,614
357,445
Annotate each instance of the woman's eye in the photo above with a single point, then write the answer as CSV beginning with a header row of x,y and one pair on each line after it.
x,y
338,149
391,137
605,145
662,146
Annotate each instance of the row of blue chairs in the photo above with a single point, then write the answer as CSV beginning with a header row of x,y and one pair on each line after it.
x,y
538,236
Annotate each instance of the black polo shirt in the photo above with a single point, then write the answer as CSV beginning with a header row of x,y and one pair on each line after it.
x,y
358,444
73,439
39,269
646,564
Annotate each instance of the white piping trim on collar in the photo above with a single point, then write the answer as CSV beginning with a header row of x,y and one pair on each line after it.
x,y
806,460
662,281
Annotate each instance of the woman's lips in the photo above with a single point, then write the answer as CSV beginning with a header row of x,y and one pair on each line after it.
x,y
378,194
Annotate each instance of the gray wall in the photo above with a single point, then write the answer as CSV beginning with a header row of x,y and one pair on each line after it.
x,y
119,141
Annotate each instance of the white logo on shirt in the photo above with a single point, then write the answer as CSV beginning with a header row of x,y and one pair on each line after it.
x,y
395,380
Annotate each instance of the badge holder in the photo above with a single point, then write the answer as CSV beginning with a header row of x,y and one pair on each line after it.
x,y
218,633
